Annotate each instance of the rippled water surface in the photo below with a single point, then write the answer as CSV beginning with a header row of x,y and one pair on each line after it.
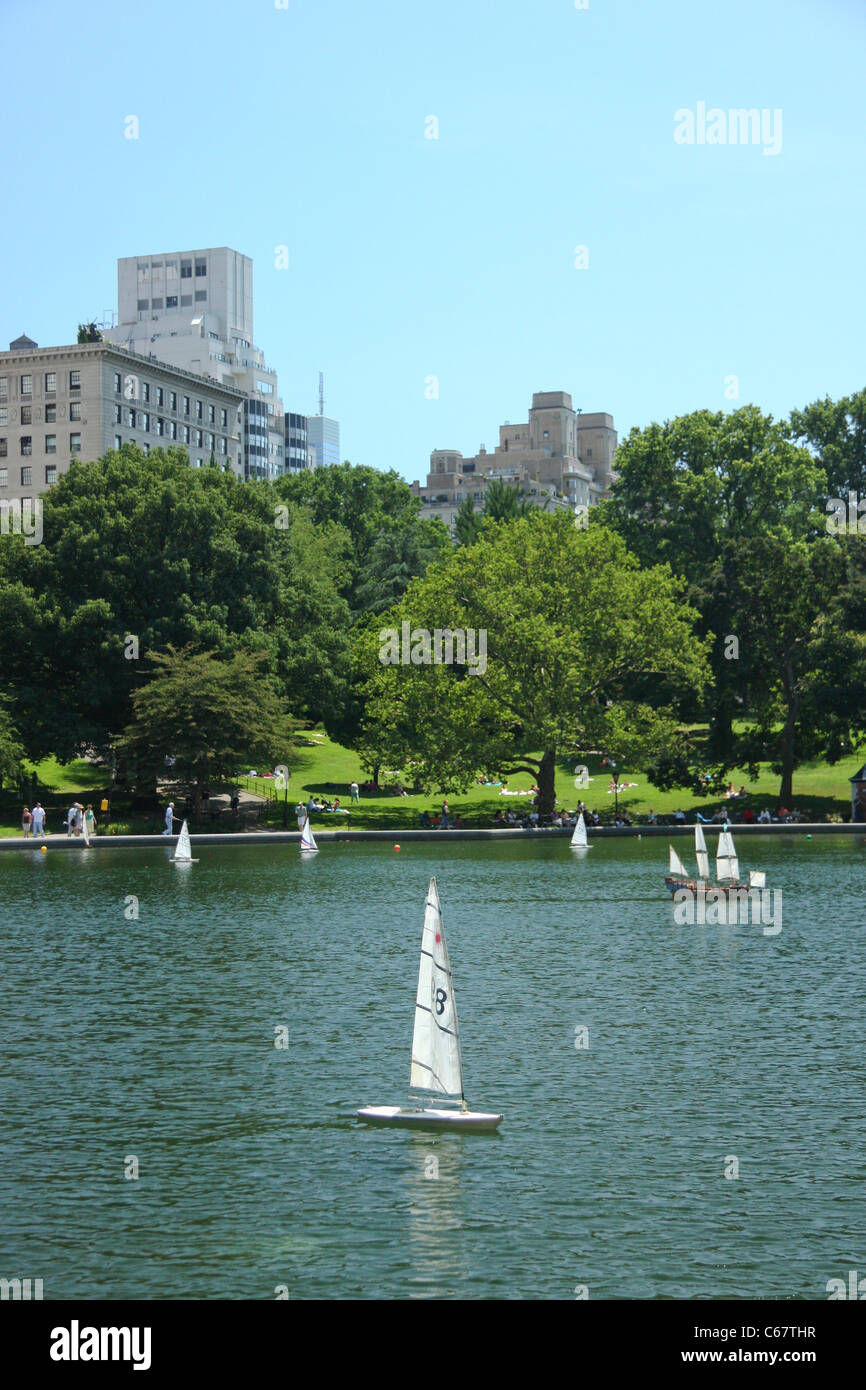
x,y
154,1039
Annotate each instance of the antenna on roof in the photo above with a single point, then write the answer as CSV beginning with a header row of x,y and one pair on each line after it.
x,y
321,393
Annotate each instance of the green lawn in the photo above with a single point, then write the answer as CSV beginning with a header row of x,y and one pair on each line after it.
x,y
326,769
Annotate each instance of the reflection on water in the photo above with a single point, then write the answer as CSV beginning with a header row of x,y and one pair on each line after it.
x,y
432,1184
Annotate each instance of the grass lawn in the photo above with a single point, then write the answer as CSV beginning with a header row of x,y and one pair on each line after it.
x,y
326,769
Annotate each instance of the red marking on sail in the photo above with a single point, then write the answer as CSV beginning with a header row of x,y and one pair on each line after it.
x,y
438,938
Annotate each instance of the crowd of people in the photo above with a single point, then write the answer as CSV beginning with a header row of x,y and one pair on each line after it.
x,y
78,817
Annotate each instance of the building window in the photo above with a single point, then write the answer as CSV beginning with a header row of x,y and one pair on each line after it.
x,y
130,419
171,270
224,419
75,410
200,296
211,414
4,388
4,477
50,381
172,400
4,416
145,422
186,434
146,447
186,405
200,267
26,414
117,441
4,448
172,429
145,391
186,270
221,446
186,301
75,381
156,265
26,444
199,410
118,383
27,476
143,305
159,425
118,414
50,414
50,474
51,443
143,272
156,304
171,301
27,386
546,434
160,397
75,444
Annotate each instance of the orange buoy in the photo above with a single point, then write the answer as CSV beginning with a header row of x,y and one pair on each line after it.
x,y
396,846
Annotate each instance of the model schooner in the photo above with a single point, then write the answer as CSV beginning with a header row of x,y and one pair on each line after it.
x,y
436,1066
727,867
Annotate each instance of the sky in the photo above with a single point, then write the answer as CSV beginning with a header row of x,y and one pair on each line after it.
x,y
432,168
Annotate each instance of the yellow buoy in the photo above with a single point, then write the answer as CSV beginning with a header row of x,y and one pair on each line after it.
x,y
44,849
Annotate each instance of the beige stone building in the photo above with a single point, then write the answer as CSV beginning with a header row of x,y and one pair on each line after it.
x,y
61,404
559,457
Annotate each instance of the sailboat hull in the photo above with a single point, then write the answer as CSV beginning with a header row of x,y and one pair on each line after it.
x,y
473,1120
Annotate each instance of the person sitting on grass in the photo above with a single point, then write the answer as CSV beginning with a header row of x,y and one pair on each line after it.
x,y
499,819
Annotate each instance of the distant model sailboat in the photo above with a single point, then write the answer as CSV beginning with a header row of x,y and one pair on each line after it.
x,y
579,838
436,1061
727,866
183,848
308,840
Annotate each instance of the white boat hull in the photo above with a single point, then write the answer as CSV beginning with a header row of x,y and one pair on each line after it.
x,y
429,1118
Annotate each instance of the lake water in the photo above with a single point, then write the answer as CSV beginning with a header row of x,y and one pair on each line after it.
x,y
153,1040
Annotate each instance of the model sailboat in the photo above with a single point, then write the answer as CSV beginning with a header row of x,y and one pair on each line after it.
x,y
437,1066
579,839
308,840
183,848
727,866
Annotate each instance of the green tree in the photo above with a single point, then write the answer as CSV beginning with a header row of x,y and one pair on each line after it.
x,y
207,715
503,502
835,432
570,622
140,552
468,522
89,333
11,748
695,493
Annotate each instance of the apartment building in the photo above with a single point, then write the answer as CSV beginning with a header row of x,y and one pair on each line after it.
x,y
61,405
194,310
558,457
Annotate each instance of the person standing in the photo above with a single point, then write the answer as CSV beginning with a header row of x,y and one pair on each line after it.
x,y
445,814
90,821
169,817
301,813
71,817
38,817
356,795
26,822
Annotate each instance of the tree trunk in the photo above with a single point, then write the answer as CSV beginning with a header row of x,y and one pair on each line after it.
x,y
546,800
375,778
786,790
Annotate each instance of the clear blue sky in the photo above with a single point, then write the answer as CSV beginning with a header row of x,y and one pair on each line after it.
x,y
454,257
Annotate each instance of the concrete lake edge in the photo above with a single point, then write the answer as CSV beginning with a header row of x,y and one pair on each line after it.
x,y
276,837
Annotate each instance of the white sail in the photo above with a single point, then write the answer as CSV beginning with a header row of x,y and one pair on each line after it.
x,y
579,839
757,878
308,840
727,866
183,848
703,857
436,1062
676,864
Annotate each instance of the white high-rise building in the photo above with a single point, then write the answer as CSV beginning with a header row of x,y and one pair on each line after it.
x,y
194,309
